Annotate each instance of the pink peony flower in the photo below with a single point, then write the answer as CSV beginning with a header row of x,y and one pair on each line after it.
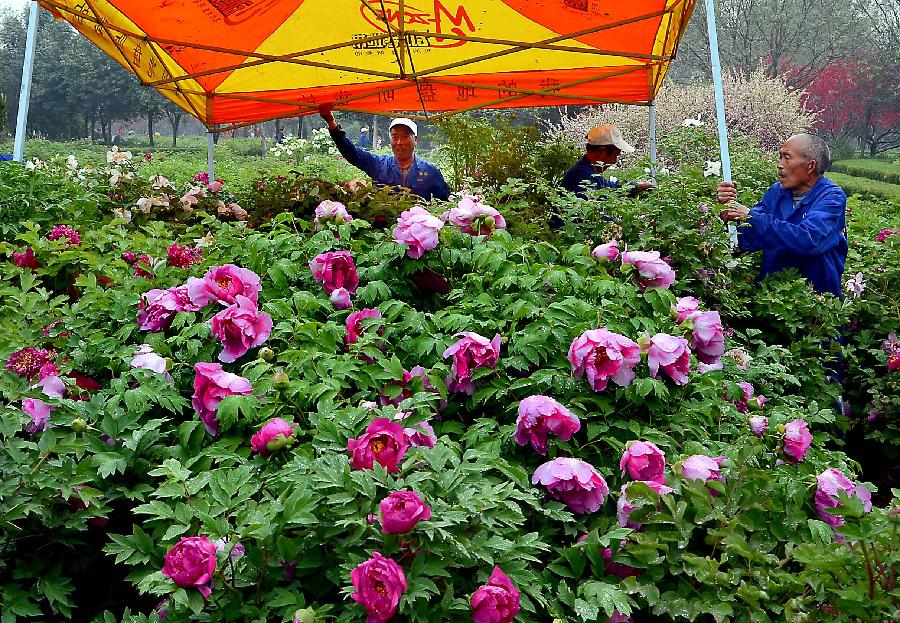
x,y
271,437
406,392
653,272
671,355
328,210
378,584
742,403
148,360
708,340
418,229
26,259
29,361
684,308
607,251
401,511
538,417
51,384
604,356
471,352
156,310
470,211
624,507
183,257
211,385
574,482
334,270
884,233
39,412
617,569
140,271
702,467
183,302
202,177
215,186
797,440
355,327
191,562
758,425
223,284
497,601
340,298
643,460
828,484
893,363
421,434
384,442
64,232
240,327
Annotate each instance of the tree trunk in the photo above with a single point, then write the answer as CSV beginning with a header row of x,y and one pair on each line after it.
x,y
150,129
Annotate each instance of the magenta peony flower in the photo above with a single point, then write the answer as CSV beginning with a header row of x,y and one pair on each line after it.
x,y
340,298
384,442
538,417
604,356
671,354
497,601
702,467
470,211
758,425
893,363
643,461
378,583
26,259
64,232
418,229
607,251
401,511
271,437
29,361
148,360
202,177
708,340
617,569
328,210
797,440
406,392
684,308
39,412
240,327
747,394
191,562
574,482
183,257
653,272
471,352
421,434
223,284
884,233
156,310
211,385
624,507
334,270
828,484
354,323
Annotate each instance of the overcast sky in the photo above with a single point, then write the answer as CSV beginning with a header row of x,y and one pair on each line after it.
x,y
13,4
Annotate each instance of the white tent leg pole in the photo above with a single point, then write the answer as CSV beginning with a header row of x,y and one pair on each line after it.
x,y
25,91
210,157
653,140
720,100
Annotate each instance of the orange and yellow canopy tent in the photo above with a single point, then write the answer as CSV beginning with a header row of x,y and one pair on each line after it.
x,y
235,62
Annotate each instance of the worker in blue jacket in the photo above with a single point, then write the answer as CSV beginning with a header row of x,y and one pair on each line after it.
x,y
800,221
402,169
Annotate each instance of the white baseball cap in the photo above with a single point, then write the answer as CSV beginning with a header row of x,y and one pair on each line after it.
x,y
408,123
364,129
608,134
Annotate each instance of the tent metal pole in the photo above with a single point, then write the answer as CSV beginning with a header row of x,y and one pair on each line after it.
x,y
25,91
653,139
720,100
210,158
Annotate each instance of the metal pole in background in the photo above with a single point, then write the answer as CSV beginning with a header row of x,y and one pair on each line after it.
x,y
653,140
25,90
720,100
210,158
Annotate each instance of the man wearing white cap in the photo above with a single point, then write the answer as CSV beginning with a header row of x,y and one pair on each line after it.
x,y
604,144
402,169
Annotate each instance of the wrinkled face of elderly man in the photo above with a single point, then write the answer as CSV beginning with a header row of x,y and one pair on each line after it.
x,y
799,164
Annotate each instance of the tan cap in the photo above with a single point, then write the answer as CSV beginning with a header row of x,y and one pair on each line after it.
x,y
608,134
406,123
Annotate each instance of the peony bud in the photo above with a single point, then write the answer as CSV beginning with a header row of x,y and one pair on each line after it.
x,y
756,403
306,615
489,221
644,342
266,354
169,363
277,444
79,425
281,381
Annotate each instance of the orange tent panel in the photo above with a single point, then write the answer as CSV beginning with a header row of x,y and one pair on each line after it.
x,y
235,62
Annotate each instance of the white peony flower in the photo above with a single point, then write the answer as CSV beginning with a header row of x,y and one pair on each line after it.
x,y
713,169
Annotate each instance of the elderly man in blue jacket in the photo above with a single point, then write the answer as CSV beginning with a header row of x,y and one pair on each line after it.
x,y
800,221
402,169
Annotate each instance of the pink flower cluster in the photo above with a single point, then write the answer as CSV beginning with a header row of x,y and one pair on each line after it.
x,y
183,256
604,356
470,214
884,233
211,385
574,482
471,352
538,417
26,259
652,272
64,232
418,229
829,484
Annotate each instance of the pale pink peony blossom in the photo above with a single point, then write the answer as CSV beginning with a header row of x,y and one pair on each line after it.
x,y
182,297
147,359
604,356
39,411
653,272
671,355
702,467
624,506
340,298
684,308
329,210
498,601
758,424
211,385
643,460
222,284
418,229
239,328
828,485
470,213
378,584
538,417
607,251
469,353
797,440
574,482
334,270
708,339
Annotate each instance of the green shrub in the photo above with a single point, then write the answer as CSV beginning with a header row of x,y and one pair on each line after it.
x,y
878,170
866,187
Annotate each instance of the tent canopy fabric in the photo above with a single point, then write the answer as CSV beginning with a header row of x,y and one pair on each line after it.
x,y
236,62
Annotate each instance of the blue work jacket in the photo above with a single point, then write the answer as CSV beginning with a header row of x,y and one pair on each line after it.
x,y
423,178
811,237
583,175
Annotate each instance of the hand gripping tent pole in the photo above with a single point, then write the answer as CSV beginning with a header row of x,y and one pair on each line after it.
x,y
720,100
25,90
